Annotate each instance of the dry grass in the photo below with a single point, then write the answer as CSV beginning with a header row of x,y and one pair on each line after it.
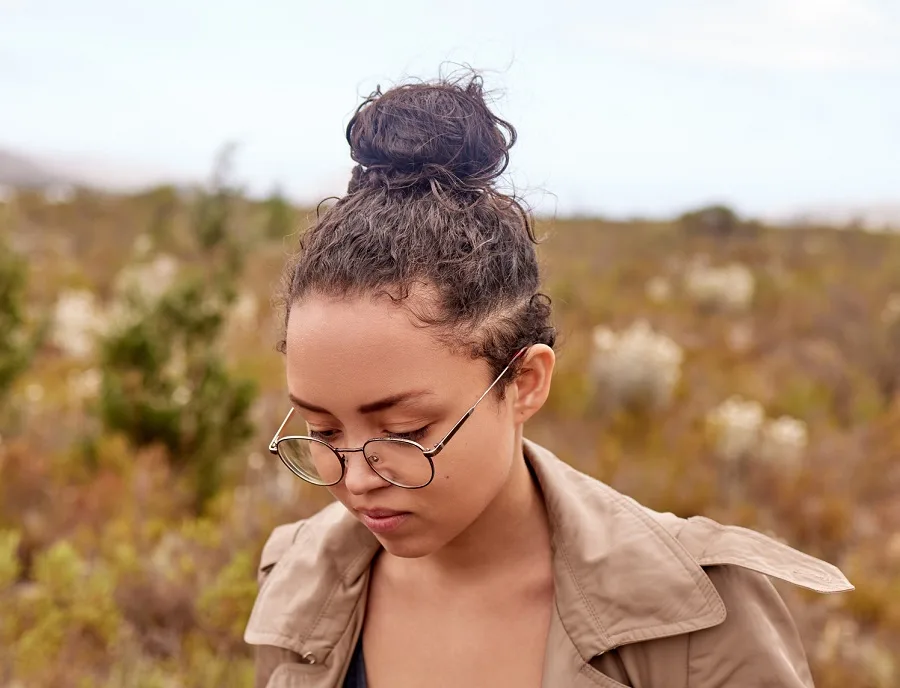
x,y
162,594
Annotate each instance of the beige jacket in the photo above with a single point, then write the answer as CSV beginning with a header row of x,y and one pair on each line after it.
x,y
643,599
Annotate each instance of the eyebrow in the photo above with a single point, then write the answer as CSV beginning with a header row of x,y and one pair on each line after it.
x,y
372,406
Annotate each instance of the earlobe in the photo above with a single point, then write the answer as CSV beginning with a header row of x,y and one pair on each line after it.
x,y
533,382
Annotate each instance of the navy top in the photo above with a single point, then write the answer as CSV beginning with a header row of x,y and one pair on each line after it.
x,y
356,674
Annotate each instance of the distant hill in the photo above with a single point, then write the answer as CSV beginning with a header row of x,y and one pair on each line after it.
x,y
18,170
876,215
22,172
27,171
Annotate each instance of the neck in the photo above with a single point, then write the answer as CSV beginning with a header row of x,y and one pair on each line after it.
x,y
513,530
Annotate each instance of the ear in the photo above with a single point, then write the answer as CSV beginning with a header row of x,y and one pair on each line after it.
x,y
532,385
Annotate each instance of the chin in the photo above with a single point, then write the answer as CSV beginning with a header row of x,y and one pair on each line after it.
x,y
409,547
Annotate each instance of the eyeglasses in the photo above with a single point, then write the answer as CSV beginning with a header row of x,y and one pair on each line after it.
x,y
401,462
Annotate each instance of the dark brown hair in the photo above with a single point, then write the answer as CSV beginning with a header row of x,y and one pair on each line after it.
x,y
422,213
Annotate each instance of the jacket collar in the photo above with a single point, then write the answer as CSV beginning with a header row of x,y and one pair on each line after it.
x,y
620,577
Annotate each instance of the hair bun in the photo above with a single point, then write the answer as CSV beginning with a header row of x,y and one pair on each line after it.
x,y
425,132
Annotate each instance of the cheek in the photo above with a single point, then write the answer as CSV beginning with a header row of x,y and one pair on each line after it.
x,y
468,475
476,459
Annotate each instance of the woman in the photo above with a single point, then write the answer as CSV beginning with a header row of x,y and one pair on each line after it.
x,y
458,553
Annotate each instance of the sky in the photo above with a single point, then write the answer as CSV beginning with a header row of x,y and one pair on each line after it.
x,y
646,107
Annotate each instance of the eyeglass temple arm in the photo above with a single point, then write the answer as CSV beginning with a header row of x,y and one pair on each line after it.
x,y
273,445
440,445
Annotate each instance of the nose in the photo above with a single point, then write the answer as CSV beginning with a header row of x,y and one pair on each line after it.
x,y
359,478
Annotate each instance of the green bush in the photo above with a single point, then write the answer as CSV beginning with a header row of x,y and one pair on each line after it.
x,y
165,379
716,220
280,216
18,342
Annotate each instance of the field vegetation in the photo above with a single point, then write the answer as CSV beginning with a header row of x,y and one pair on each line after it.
x,y
708,365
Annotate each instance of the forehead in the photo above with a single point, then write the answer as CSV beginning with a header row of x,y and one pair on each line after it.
x,y
349,351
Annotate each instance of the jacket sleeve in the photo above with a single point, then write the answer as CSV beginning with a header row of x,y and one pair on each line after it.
x,y
757,646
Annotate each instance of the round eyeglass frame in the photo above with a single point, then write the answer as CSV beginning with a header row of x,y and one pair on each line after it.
x,y
339,456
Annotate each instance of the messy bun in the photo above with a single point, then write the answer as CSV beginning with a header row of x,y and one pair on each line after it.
x,y
423,208
420,133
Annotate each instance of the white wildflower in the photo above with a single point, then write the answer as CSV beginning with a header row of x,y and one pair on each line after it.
x,y
255,461
636,367
730,287
891,312
148,281
245,311
143,245
736,425
176,366
77,321
84,385
181,396
893,549
784,441
658,289
121,314
865,524
165,556
34,393
604,338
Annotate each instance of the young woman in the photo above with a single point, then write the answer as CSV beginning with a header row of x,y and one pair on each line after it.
x,y
458,553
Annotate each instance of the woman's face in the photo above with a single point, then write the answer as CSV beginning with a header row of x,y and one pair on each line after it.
x,y
343,355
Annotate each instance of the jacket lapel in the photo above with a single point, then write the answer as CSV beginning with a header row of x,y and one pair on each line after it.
x,y
620,577
312,602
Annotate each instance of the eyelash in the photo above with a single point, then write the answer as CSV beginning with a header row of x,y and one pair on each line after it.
x,y
414,435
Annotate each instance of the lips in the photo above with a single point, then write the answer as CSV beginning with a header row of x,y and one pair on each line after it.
x,y
380,513
382,521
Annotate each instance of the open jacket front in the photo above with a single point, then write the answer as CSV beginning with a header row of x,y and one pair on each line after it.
x,y
642,599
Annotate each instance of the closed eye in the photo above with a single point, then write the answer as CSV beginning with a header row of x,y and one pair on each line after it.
x,y
414,435
324,435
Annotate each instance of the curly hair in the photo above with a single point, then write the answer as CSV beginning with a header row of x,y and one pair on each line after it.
x,y
422,213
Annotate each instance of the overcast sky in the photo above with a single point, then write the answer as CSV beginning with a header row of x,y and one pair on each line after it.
x,y
640,107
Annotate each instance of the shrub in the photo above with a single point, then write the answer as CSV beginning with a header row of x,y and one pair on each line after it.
x,y
164,374
280,216
18,341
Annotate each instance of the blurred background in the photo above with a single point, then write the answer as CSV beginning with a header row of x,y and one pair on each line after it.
x,y
718,185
